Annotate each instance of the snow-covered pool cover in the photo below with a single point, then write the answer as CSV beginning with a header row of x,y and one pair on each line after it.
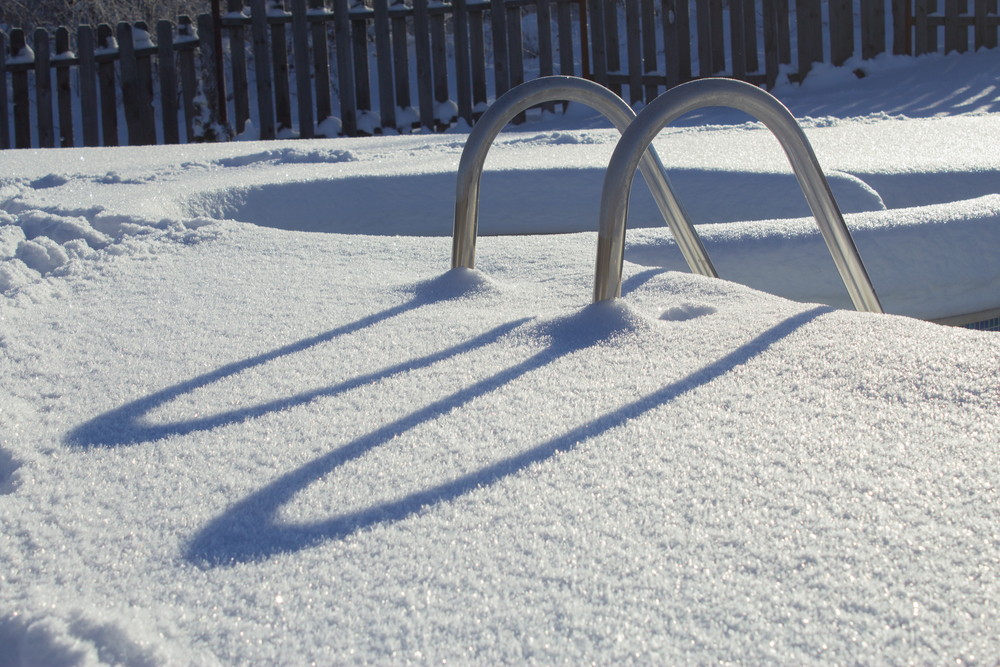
x,y
225,443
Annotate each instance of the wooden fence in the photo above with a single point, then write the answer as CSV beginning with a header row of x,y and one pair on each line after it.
x,y
661,40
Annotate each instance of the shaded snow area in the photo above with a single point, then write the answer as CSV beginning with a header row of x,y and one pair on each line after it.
x,y
249,416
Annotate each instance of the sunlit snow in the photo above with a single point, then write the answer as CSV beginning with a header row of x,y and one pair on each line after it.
x,y
249,416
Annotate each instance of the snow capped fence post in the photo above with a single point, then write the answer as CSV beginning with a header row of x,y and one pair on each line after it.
x,y
238,61
144,48
187,40
206,123
64,95
321,61
262,67
20,54
345,68
107,50
279,56
43,89
168,81
303,85
88,85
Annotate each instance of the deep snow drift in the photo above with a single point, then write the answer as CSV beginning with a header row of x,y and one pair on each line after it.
x,y
232,443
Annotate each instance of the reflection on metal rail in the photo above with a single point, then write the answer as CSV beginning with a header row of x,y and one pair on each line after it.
x,y
754,101
550,89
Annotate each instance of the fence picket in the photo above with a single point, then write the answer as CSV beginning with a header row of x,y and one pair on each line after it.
x,y
262,65
477,59
4,118
359,41
279,60
88,86
439,69
515,53
422,45
546,62
303,84
106,83
633,49
750,36
737,37
383,58
64,95
463,77
189,78
321,62
43,90
168,81
238,66
564,19
144,72
647,10
872,28
841,31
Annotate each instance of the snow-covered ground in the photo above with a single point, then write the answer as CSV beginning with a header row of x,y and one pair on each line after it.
x,y
248,415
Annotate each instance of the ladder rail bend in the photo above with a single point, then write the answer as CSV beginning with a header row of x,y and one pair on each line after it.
x,y
550,89
778,119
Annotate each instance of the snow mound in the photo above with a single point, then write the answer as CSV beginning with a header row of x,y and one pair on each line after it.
x,y
278,156
458,283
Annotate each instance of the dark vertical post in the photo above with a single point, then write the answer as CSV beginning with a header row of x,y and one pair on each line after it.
x,y
439,64
129,83
704,24
422,52
515,52
648,11
64,93
303,80
546,63
279,59
718,36
783,20
220,68
900,28
238,62
599,61
321,65
43,89
498,25
770,42
106,83
564,13
810,36
612,54
359,39
872,28
671,42
19,83
841,31
750,35
401,57
262,64
4,119
383,59
214,98
188,76
345,68
88,86
168,81
477,56
463,77
144,78
737,35
633,46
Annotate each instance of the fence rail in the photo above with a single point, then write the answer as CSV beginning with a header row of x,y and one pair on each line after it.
x,y
354,53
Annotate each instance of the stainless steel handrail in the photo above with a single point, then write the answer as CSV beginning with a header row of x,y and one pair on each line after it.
x,y
549,89
754,101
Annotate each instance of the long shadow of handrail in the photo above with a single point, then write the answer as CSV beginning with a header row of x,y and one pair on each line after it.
x,y
121,426
248,531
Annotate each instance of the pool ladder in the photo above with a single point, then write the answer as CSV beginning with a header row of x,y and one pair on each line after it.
x,y
634,150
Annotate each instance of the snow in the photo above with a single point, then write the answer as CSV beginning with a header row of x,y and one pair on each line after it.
x,y
249,416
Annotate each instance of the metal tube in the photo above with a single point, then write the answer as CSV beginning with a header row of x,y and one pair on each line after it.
x,y
754,101
548,89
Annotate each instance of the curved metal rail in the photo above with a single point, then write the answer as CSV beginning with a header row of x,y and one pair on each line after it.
x,y
549,89
745,97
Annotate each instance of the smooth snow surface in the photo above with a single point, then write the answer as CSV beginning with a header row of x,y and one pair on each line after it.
x,y
225,443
